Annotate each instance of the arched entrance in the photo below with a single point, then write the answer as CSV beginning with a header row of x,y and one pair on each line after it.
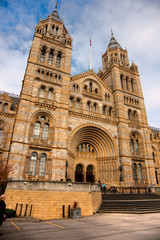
x,y
79,176
94,152
89,174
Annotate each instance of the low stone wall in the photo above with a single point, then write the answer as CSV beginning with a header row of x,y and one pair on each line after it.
x,y
51,200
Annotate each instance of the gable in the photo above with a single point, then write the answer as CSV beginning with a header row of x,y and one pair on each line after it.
x,y
5,97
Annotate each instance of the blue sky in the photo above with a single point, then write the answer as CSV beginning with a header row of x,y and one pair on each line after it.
x,y
135,25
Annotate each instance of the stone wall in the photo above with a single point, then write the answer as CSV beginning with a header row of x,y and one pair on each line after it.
x,y
51,200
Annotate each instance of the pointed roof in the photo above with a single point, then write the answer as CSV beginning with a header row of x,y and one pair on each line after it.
x,y
54,15
113,44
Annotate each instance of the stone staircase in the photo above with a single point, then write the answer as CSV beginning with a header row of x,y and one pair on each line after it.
x,y
130,203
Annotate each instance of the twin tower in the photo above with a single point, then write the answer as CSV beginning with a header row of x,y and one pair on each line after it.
x,y
90,126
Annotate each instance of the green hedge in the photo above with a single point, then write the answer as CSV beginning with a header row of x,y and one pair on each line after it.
x,y
10,213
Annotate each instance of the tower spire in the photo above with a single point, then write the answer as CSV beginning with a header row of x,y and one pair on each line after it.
x,y
90,57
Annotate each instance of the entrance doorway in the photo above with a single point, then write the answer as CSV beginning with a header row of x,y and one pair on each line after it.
x,y
79,176
89,174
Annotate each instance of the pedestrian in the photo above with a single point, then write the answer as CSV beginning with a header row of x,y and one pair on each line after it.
x,y
2,209
100,184
68,179
104,187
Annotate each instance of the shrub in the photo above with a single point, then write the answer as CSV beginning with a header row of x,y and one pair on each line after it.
x,y
10,213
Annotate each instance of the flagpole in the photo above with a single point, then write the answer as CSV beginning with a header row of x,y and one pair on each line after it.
x,y
90,58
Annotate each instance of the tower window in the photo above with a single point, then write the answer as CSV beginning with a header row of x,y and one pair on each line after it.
x,y
56,30
95,107
5,106
88,106
90,87
52,31
42,90
50,59
58,62
50,93
71,102
104,110
43,53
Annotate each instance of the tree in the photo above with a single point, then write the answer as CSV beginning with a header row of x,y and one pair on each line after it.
x,y
4,172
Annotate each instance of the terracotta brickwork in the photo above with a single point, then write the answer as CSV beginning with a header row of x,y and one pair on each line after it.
x,y
54,203
89,126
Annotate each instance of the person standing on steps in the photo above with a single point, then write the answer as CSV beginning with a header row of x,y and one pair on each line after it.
x,y
2,209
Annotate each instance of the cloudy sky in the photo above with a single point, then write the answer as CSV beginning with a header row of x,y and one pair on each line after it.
x,y
135,24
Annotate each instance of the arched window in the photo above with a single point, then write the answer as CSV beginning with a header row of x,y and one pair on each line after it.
x,y
74,87
50,59
88,106
140,172
43,53
129,114
71,102
85,88
47,75
37,130
52,31
1,136
96,90
104,109
132,85
122,81
45,132
135,115
5,106
132,145
42,90
135,171
50,78
38,73
90,87
137,146
77,103
58,62
56,30
95,107
127,83
42,74
42,165
50,93
110,111
32,165
77,88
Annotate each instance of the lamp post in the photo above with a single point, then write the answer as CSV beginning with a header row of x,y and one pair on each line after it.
x,y
66,168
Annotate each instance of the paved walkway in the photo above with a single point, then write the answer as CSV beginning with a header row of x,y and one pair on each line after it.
x,y
97,227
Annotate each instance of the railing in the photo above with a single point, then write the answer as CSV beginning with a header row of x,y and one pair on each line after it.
x,y
132,190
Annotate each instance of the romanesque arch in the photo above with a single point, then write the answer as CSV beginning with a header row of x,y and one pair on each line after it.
x,y
95,149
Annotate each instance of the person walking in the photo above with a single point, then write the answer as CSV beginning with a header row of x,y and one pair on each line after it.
x,y
2,209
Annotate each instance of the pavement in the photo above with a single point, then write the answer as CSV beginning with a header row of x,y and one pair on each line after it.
x,y
98,227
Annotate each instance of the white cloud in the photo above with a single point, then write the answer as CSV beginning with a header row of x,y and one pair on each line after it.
x,y
135,25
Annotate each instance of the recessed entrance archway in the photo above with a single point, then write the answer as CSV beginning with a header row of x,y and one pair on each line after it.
x,y
94,148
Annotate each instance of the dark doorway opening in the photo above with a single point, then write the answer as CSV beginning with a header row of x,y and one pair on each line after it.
x,y
89,174
79,177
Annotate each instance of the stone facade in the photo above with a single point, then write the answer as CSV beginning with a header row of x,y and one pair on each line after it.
x,y
89,126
